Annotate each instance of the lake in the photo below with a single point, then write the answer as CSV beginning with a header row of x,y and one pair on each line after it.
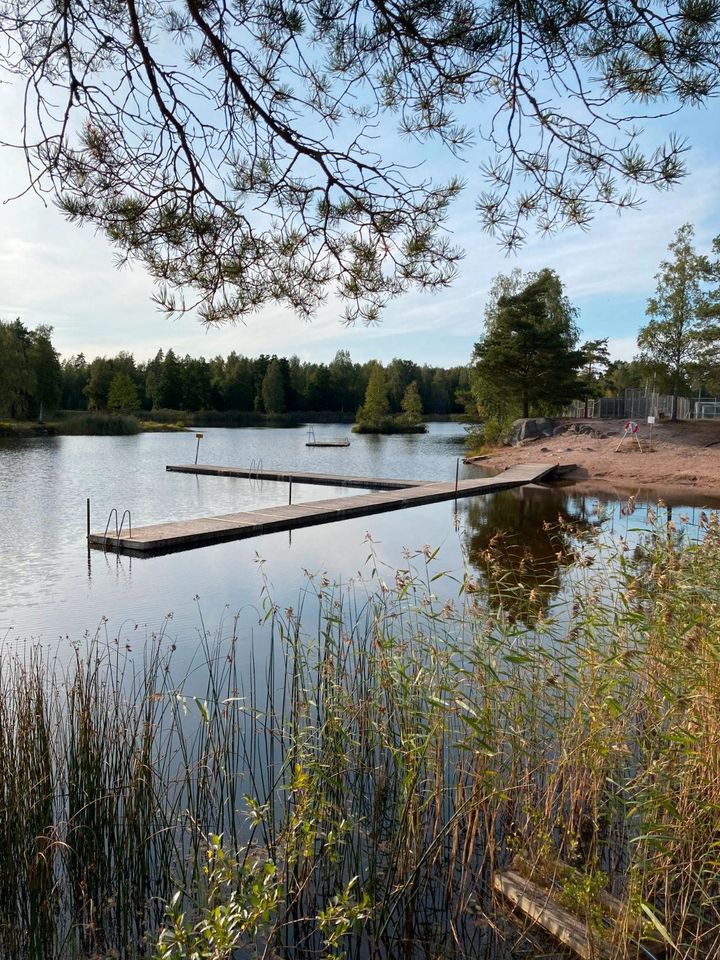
x,y
359,700
51,589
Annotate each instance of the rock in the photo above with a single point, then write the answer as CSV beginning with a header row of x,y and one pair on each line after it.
x,y
530,429
580,428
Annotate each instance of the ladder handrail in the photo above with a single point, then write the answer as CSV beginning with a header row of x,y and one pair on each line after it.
x,y
118,526
107,526
122,523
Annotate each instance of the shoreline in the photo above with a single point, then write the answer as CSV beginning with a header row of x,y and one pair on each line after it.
x,y
685,456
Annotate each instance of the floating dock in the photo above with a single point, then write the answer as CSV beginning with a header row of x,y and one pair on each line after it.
x,y
325,441
329,442
389,495
297,476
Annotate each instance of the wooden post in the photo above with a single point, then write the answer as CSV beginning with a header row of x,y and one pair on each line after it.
x,y
457,473
290,492
198,437
88,520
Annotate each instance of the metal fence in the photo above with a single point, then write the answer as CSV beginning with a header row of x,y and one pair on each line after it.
x,y
635,405
707,409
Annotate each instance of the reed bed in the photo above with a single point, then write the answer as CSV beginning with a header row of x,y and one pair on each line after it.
x,y
389,748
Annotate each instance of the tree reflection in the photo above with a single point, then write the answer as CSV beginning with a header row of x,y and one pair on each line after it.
x,y
520,540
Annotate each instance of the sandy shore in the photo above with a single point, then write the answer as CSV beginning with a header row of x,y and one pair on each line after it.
x,y
684,455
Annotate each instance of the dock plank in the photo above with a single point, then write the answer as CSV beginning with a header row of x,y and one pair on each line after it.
x,y
171,536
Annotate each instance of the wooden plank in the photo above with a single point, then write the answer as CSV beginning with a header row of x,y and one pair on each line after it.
x,y
538,905
550,872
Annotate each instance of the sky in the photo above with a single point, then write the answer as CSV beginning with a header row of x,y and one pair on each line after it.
x,y
56,273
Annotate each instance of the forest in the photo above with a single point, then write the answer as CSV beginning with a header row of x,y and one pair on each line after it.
x,y
35,381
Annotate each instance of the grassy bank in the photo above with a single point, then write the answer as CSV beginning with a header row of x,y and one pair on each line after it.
x,y
354,792
86,424
389,425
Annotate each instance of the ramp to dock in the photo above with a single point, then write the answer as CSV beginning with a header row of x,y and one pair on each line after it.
x,y
186,534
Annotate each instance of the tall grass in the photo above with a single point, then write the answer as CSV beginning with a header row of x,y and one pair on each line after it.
x,y
354,791
99,424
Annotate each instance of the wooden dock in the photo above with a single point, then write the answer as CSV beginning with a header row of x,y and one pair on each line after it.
x,y
296,476
389,495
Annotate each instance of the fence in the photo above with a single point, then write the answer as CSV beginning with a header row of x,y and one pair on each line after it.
x,y
636,405
707,409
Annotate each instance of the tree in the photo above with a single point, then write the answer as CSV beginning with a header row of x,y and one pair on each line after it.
x,y
75,375
439,392
399,374
528,357
412,405
376,406
123,394
596,363
44,364
273,388
16,379
233,147
169,391
682,331
101,374
344,375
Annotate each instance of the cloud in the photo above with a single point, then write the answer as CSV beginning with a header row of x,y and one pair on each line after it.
x,y
622,348
54,272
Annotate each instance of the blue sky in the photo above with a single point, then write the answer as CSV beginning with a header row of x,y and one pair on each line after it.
x,y
56,273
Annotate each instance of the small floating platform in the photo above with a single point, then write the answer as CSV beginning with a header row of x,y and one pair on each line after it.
x,y
392,495
312,441
328,442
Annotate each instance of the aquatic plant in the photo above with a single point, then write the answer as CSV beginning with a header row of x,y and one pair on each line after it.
x,y
355,789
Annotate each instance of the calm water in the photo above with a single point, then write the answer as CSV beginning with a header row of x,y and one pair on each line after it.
x,y
50,589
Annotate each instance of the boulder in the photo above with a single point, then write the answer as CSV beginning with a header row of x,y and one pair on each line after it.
x,y
587,429
528,429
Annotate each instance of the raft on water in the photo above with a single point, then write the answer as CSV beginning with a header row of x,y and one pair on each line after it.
x,y
312,441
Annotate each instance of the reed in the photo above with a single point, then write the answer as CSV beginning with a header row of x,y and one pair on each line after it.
x,y
99,424
354,790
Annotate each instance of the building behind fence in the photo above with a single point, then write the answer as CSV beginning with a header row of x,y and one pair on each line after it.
x,y
640,404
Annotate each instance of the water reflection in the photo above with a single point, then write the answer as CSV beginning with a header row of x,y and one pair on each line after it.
x,y
520,541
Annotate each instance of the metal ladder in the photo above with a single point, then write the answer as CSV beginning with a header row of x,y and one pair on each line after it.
x,y
118,527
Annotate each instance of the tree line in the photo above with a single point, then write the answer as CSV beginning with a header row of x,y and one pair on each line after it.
x,y
34,379
529,361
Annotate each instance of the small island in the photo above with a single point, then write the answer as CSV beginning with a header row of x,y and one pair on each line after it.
x,y
375,416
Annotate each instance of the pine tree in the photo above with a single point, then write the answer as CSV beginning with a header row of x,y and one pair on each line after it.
x,y
376,406
268,161
412,405
528,359
273,389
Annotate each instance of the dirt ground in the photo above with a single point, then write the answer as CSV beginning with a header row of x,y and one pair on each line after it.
x,y
684,455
